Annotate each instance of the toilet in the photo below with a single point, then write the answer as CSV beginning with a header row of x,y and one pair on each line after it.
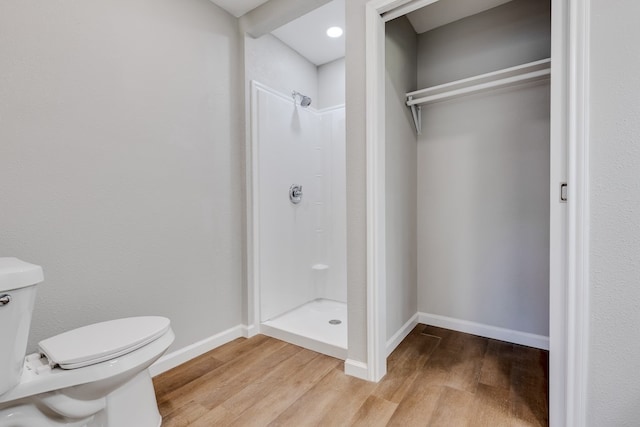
x,y
93,376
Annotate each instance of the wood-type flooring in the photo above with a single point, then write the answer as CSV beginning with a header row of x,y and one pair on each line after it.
x,y
436,377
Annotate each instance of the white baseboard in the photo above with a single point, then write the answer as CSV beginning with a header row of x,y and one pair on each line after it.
x,y
180,356
250,331
401,334
356,369
488,331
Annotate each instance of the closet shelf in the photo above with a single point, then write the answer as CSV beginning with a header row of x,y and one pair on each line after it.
x,y
506,77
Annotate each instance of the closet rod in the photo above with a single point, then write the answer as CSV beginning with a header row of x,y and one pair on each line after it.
x,y
509,81
532,71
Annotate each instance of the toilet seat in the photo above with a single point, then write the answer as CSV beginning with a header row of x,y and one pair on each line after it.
x,y
39,377
103,341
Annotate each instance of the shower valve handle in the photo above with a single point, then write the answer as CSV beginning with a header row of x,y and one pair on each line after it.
x,y
295,194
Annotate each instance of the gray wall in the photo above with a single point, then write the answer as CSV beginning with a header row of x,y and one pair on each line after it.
x,y
508,35
271,62
331,84
483,175
401,174
614,165
356,180
120,161
275,13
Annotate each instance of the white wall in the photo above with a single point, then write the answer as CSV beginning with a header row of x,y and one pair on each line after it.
x,y
297,145
120,161
401,175
613,375
331,84
334,285
331,92
289,152
483,175
269,61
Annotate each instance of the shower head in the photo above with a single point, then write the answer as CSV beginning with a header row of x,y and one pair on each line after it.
x,y
305,101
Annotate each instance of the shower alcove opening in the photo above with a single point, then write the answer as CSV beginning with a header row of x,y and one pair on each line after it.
x,y
297,268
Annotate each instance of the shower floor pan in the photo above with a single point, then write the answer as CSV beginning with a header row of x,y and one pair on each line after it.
x,y
319,325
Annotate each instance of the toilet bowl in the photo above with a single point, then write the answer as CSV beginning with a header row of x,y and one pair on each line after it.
x,y
94,376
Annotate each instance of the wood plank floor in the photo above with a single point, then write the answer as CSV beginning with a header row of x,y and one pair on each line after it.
x,y
436,377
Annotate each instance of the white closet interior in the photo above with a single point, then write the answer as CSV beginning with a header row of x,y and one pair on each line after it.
x,y
467,171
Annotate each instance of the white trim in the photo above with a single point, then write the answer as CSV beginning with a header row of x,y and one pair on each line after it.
x,y
329,109
257,86
384,6
356,369
180,356
375,162
406,8
558,214
305,342
396,339
482,330
578,216
250,331
253,213
389,9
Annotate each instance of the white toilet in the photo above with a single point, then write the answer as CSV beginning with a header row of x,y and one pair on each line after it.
x,y
94,376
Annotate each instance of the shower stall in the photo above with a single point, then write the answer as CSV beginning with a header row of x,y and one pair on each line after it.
x,y
298,210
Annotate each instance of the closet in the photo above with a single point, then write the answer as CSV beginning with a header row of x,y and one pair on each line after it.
x,y
467,169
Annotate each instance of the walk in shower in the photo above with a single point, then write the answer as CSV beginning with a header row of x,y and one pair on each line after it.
x,y
299,220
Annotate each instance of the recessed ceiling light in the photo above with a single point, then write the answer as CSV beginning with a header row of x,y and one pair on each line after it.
x,y
334,32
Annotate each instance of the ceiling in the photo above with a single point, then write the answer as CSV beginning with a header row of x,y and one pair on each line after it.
x,y
307,34
238,7
444,12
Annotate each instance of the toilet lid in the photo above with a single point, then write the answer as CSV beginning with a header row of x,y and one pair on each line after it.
x,y
102,341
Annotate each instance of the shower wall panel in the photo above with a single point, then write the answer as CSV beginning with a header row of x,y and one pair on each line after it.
x,y
334,285
287,138
301,257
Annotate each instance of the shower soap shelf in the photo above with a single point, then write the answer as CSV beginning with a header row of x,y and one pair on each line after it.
x,y
319,267
507,77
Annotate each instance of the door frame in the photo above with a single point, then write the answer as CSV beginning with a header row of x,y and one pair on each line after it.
x,y
569,222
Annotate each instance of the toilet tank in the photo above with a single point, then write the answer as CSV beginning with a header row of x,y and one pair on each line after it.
x,y
17,295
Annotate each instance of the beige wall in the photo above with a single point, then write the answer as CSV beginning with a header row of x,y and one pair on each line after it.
x,y
121,163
